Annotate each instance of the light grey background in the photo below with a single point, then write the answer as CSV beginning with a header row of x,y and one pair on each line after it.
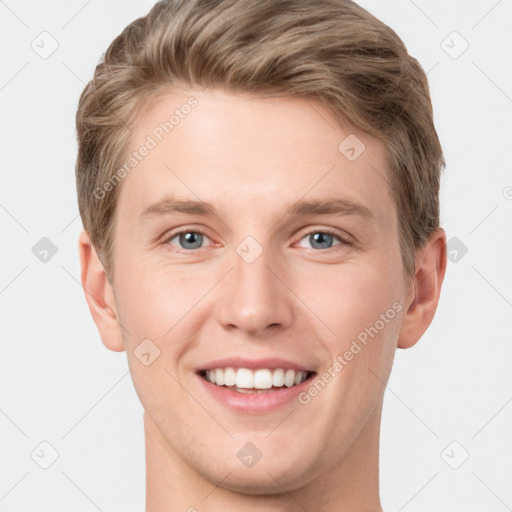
x,y
449,397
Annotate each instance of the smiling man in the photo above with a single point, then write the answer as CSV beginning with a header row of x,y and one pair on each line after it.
x,y
258,183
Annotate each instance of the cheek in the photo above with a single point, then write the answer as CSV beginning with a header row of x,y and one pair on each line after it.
x,y
152,300
363,306
348,299
154,305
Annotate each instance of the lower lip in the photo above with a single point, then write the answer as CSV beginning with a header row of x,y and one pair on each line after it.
x,y
254,402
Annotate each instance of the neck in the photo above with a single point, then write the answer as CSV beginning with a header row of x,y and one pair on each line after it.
x,y
173,486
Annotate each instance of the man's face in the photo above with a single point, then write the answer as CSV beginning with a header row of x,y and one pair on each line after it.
x,y
265,278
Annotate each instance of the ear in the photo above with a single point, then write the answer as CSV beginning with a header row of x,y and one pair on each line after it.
x,y
99,295
430,268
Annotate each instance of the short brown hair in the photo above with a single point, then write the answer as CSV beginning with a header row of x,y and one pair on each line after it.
x,y
332,51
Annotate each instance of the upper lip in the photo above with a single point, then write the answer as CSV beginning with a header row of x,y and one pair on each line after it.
x,y
254,364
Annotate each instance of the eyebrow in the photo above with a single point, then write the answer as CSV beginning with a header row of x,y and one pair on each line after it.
x,y
337,206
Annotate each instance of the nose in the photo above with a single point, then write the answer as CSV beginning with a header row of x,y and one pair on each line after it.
x,y
254,299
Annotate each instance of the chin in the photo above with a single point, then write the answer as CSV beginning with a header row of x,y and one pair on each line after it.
x,y
261,482
267,477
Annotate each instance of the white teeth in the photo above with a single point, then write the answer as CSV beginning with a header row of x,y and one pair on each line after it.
x,y
298,378
244,378
278,378
263,379
289,378
229,377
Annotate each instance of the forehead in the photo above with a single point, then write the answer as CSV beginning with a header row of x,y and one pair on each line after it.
x,y
250,152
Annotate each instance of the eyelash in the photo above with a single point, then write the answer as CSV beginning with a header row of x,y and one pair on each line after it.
x,y
332,232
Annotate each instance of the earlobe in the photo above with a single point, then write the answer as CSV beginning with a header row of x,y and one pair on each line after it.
x,y
99,295
426,288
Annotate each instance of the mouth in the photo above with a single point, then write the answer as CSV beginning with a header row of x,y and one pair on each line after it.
x,y
255,381
254,386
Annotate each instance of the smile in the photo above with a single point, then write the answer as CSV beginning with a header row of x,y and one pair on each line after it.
x,y
245,380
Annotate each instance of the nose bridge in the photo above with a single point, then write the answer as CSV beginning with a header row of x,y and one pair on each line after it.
x,y
254,298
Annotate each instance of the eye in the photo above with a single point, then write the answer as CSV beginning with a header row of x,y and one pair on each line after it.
x,y
323,239
188,239
319,239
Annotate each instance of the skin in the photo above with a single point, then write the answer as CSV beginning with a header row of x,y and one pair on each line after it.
x,y
251,158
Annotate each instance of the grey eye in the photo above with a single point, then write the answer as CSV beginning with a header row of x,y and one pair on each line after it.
x,y
320,240
189,239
